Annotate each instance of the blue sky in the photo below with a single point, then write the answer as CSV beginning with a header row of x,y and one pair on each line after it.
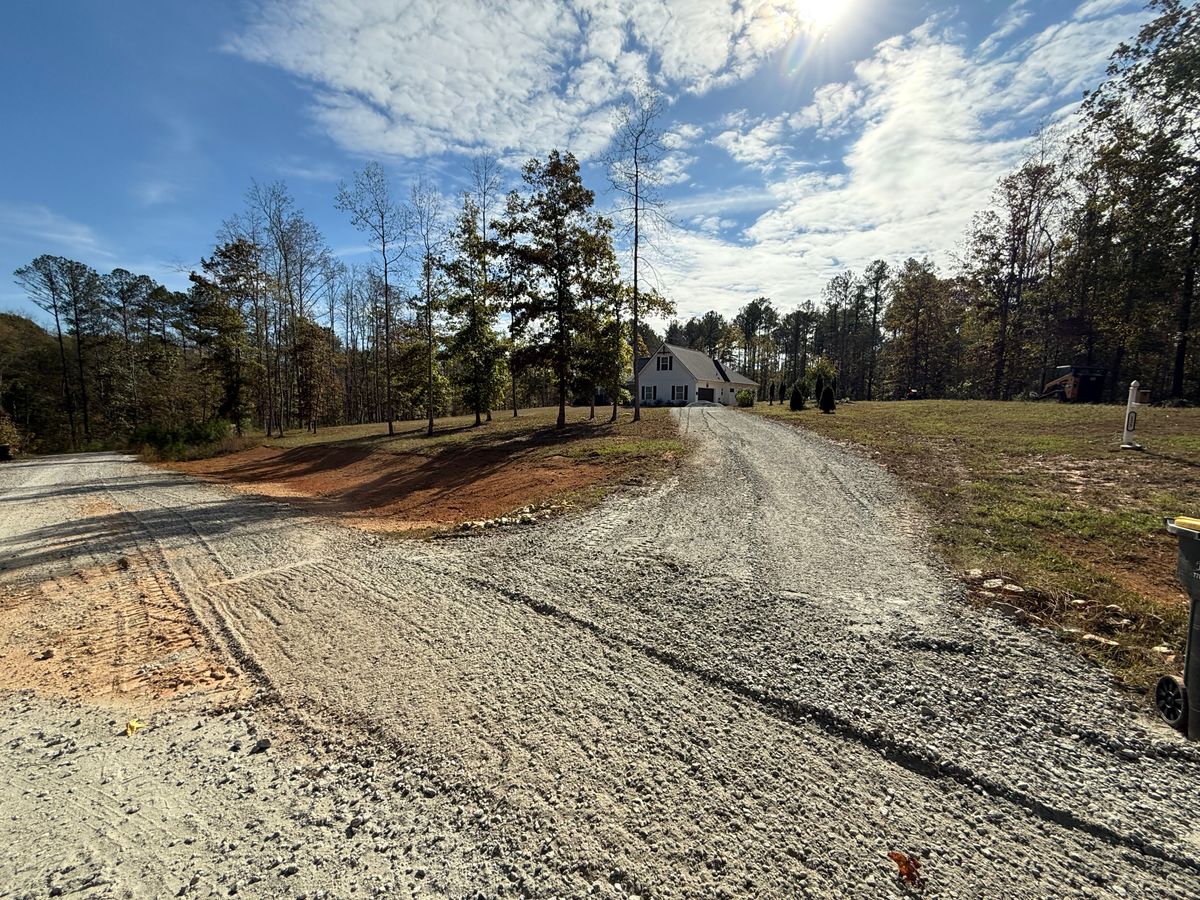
x,y
806,136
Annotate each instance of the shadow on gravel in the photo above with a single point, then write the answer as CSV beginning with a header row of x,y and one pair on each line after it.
x,y
108,486
116,534
103,457
918,759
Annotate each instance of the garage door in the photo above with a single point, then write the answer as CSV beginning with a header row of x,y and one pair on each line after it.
x,y
704,394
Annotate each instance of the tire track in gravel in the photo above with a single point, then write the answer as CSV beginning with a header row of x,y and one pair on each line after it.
x,y
376,719
216,628
892,749
260,592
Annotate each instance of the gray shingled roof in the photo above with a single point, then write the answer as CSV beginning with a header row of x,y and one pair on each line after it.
x,y
702,366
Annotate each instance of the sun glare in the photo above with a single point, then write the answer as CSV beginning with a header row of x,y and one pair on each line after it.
x,y
820,16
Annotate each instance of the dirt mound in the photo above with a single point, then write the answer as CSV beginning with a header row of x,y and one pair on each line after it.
x,y
391,491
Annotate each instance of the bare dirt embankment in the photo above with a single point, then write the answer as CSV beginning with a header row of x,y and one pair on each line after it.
x,y
138,756
409,482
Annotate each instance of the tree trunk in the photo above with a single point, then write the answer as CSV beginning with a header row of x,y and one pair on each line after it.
x,y
1185,306
637,390
66,380
429,361
560,362
875,304
83,395
237,418
1001,346
387,332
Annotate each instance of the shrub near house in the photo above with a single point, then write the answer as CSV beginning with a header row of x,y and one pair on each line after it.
x,y
799,396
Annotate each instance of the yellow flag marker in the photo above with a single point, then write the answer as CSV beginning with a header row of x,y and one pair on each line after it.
x,y
133,726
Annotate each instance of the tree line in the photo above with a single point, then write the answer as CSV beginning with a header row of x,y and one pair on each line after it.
x,y
1086,255
495,302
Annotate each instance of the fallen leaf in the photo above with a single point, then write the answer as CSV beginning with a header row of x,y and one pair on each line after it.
x,y
909,869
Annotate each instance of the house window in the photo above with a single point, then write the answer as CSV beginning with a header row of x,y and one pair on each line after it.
x,y
666,363
649,392
679,392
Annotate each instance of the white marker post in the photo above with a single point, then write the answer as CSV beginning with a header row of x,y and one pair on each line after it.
x,y
1135,400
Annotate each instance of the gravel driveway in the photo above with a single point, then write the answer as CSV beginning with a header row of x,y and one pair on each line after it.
x,y
751,681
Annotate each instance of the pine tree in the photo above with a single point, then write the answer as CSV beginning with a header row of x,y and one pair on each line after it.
x,y
552,227
473,341
42,280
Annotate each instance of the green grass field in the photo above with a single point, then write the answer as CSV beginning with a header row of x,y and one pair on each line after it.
x,y
1039,494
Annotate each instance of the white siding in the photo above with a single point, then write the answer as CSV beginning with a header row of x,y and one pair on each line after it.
x,y
664,381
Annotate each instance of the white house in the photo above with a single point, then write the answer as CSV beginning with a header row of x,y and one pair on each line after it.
x,y
676,375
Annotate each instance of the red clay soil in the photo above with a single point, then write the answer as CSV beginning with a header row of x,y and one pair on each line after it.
x,y
115,633
399,491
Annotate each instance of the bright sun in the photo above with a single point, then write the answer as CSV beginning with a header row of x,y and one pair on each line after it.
x,y
821,15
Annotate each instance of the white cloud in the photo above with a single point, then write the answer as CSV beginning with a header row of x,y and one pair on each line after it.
x,y
933,126
155,191
309,170
673,168
917,135
757,145
682,136
427,77
1009,22
722,202
1098,8
831,110
27,230
711,224
38,225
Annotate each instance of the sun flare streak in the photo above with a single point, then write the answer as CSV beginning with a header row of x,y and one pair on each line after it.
x,y
819,16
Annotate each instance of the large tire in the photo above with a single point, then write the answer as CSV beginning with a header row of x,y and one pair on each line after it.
x,y
1170,696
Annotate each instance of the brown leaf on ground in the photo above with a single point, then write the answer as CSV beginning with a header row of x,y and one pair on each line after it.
x,y
909,869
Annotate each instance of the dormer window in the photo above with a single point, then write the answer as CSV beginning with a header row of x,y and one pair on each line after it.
x,y
665,362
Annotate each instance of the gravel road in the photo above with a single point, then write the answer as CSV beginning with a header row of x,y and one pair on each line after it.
x,y
750,681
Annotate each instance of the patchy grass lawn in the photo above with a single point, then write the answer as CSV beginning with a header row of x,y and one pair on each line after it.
x,y
408,482
1038,494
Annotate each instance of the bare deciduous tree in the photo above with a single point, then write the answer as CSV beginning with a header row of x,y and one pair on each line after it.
x,y
637,151
375,212
427,211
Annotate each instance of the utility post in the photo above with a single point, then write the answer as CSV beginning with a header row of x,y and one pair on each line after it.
x,y
1137,398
